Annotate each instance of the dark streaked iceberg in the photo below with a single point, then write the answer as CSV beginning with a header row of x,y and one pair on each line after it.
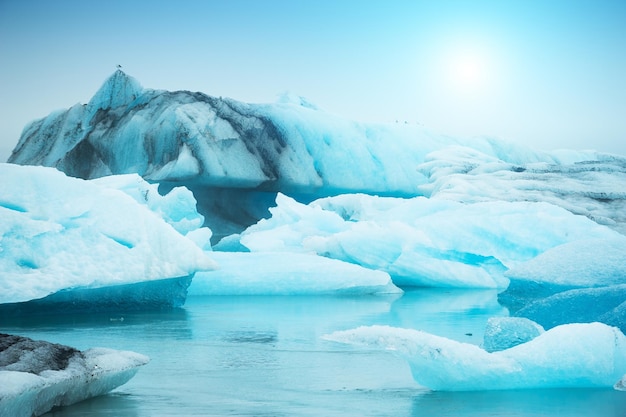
x,y
36,376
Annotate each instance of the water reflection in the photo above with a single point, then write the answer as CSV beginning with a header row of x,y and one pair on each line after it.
x,y
457,314
546,402
113,405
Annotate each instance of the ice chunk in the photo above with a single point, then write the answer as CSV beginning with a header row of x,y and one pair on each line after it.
x,y
584,305
36,376
579,281
58,233
505,332
572,355
420,241
581,263
288,274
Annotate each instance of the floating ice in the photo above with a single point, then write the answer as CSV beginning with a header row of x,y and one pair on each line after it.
x,y
572,355
420,241
36,376
505,332
584,305
581,263
245,273
59,233
579,281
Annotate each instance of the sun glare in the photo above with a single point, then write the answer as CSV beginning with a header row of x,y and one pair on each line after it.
x,y
467,72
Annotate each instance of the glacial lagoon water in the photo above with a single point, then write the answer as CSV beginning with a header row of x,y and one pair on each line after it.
x,y
265,356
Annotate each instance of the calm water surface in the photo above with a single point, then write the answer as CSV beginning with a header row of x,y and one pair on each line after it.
x,y
264,356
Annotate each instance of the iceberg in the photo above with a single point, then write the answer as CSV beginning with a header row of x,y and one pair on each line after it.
x,y
63,239
585,183
572,355
36,376
230,153
247,273
421,241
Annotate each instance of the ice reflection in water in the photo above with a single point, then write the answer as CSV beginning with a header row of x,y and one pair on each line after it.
x,y
265,356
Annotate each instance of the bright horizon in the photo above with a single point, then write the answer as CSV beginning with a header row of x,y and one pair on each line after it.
x,y
545,74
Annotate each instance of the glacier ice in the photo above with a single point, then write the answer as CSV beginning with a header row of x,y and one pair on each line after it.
x,y
572,355
578,281
232,153
582,305
59,233
247,273
36,376
505,332
420,241
580,263
585,183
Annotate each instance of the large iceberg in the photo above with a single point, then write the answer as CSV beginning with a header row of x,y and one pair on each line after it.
x,y
421,241
233,154
64,239
572,355
36,376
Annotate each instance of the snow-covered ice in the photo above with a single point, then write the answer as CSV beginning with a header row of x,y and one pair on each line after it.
x,y
421,241
59,233
572,355
580,263
247,273
36,376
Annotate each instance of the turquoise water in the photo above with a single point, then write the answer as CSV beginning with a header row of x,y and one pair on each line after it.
x,y
264,356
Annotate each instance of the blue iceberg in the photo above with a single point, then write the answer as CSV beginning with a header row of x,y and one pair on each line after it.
x,y
571,355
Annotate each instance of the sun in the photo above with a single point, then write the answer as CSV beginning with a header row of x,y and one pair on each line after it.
x,y
468,72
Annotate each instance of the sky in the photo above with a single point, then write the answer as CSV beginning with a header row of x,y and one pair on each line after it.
x,y
546,73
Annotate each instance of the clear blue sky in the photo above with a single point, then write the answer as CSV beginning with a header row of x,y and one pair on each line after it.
x,y
548,73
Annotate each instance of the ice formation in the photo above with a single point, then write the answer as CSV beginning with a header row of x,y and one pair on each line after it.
x,y
505,332
245,273
232,153
421,241
585,183
36,376
59,233
579,281
572,355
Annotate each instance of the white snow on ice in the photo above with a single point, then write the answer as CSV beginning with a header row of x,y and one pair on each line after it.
x,y
58,232
420,241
